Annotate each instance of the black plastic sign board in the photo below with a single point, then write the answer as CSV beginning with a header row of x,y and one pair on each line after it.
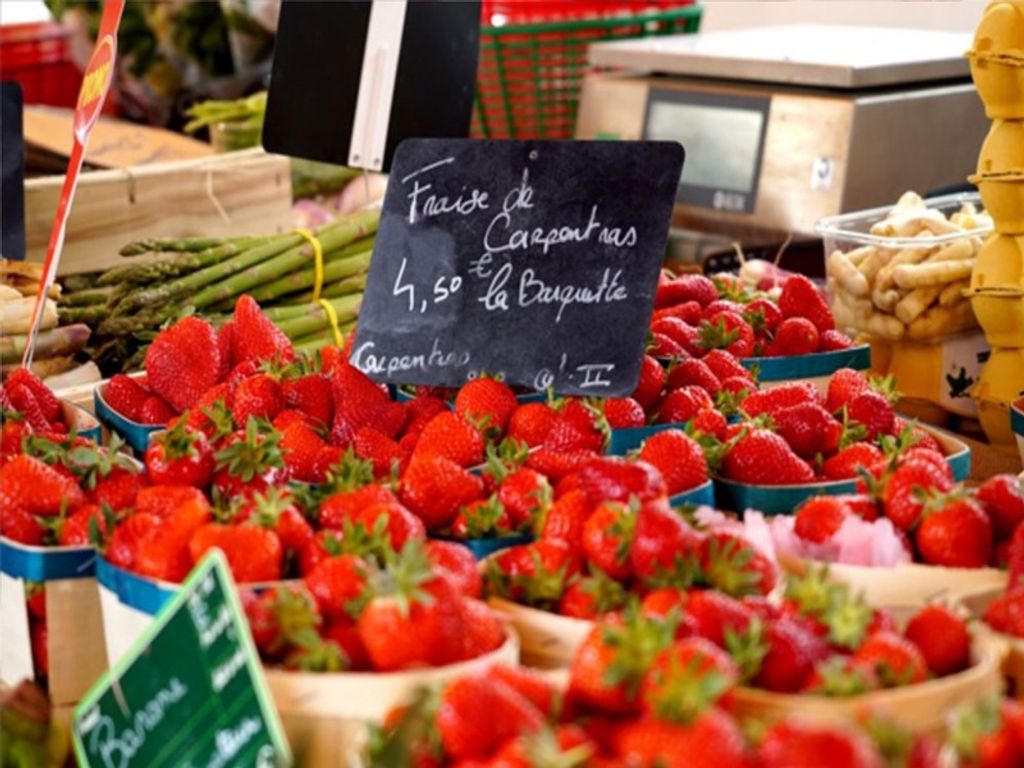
x,y
189,692
535,260
12,165
325,51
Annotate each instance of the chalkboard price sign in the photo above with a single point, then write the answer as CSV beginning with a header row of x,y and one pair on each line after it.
x,y
190,693
534,260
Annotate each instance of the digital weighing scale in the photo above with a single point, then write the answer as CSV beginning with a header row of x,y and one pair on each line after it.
x,y
785,125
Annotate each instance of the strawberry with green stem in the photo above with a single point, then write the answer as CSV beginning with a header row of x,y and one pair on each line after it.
x,y
180,456
250,462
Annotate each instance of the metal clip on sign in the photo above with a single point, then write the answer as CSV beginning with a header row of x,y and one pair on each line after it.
x,y
377,84
91,97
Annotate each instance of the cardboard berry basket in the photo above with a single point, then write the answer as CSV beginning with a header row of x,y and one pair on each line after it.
x,y
75,641
783,499
325,714
482,548
1011,648
128,603
816,367
135,434
80,421
547,640
920,708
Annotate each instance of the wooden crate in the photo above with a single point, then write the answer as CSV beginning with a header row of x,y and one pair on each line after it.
x,y
246,192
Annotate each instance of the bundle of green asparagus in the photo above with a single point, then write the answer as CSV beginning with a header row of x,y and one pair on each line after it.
x,y
126,304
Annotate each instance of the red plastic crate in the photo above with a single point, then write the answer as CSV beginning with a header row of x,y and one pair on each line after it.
x,y
36,56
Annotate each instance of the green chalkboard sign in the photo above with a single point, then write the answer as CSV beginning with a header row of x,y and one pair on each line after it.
x,y
190,692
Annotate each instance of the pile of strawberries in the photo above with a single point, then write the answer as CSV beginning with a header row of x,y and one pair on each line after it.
x,y
1006,613
793,434
641,692
940,522
695,314
416,608
611,534
27,406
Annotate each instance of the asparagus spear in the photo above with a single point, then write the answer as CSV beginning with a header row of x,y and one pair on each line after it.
x,y
344,287
86,297
333,237
178,264
315,319
183,286
157,244
91,314
341,265
56,341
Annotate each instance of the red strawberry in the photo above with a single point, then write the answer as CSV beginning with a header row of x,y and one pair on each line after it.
x,y
809,429
792,652
451,436
180,456
124,542
801,298
851,460
650,383
75,530
763,458
773,400
1002,498
794,336
477,714
592,596
458,563
531,422
29,484
21,526
183,361
763,315
901,500
24,403
678,457
624,413
715,614
725,365
126,396
301,446
942,638
254,553
793,743
722,305
481,631
832,341
862,505
684,334
487,402
729,331
681,405
693,665
535,573
617,479
693,372
565,519
665,547
689,312
819,518
556,464
49,405
311,394
954,532
337,584
254,337
712,740
163,501
710,422
251,462
896,660
988,734
257,396
524,494
844,386
155,410
434,488
685,288
874,410
414,617
626,645
607,537
482,519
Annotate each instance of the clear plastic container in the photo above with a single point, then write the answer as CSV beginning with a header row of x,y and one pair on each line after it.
x,y
902,272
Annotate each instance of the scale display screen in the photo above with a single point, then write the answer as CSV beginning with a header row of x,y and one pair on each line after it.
x,y
724,138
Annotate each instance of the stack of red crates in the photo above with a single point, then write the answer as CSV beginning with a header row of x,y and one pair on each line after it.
x,y
37,57
533,56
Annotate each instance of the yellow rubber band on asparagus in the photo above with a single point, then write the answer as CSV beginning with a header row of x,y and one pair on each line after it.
x,y
332,317
318,260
